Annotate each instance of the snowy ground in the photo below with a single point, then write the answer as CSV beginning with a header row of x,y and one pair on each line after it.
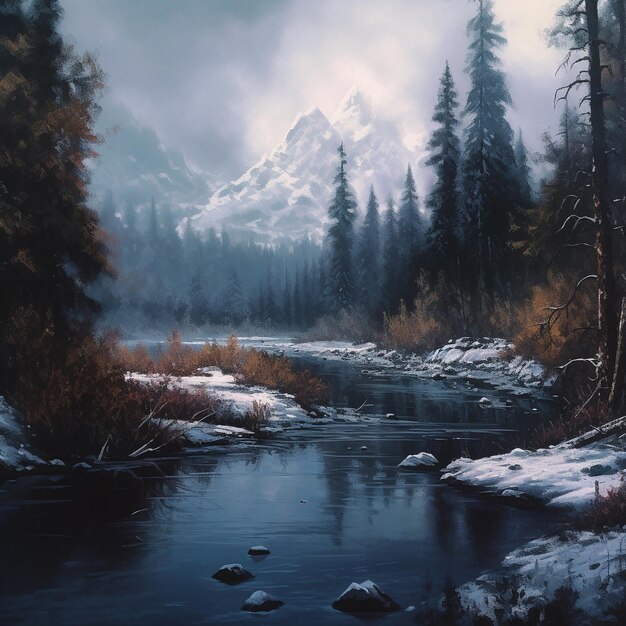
x,y
590,565
283,409
560,476
15,455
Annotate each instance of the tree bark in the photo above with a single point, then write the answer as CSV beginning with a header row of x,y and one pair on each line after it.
x,y
607,309
618,385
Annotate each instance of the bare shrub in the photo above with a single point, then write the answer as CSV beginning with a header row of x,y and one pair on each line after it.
x,y
605,511
257,415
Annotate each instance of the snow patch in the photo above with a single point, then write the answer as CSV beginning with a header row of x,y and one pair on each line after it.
x,y
560,476
591,565
15,455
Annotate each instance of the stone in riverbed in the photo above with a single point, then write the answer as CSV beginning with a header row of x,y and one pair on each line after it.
x,y
232,574
258,551
261,601
423,460
366,597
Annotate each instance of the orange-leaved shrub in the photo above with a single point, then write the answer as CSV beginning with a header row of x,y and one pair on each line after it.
x,y
415,330
572,332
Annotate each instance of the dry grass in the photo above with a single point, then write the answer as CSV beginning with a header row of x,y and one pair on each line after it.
x,y
583,414
416,330
605,512
250,366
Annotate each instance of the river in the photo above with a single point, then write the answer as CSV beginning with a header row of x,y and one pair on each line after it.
x,y
140,546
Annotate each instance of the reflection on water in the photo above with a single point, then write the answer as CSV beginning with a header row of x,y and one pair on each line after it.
x,y
330,515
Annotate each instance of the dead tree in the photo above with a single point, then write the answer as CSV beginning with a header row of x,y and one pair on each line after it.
x,y
585,29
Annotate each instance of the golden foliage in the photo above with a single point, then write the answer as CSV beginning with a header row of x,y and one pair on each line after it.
x,y
554,337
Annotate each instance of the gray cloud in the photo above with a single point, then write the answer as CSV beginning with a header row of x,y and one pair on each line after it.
x,y
222,80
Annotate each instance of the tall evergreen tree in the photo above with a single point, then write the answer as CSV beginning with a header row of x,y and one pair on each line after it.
x,y
297,300
368,257
443,200
489,180
410,238
49,244
342,212
391,256
287,302
523,172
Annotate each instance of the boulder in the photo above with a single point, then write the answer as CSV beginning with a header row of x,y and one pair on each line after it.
x,y
232,574
258,551
423,460
366,597
261,601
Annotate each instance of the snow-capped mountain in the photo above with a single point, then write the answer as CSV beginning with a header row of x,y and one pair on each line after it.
x,y
135,166
285,196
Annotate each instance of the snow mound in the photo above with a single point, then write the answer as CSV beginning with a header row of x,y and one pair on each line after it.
x,y
261,601
423,460
590,565
560,476
14,453
366,597
282,406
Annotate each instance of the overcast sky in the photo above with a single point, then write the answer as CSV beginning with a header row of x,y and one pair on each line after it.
x,y
222,80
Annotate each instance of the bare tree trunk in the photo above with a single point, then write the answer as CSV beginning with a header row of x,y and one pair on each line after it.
x,y
618,386
607,309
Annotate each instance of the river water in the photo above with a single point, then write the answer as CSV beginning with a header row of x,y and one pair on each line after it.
x,y
139,546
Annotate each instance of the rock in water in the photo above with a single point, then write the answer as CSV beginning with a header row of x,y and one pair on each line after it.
x,y
261,601
366,597
233,574
423,460
258,551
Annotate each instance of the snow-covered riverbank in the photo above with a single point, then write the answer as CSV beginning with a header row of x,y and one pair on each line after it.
x,y
560,476
575,577
476,362
16,454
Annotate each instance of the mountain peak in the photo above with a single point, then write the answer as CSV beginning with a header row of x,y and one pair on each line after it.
x,y
313,118
354,107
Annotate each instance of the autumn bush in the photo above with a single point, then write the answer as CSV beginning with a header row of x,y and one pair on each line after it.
x,y
571,331
82,404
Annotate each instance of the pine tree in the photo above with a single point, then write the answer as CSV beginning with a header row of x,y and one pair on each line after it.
x,y
523,172
271,305
368,257
236,304
391,296
410,238
342,212
287,302
297,300
50,249
445,156
489,177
